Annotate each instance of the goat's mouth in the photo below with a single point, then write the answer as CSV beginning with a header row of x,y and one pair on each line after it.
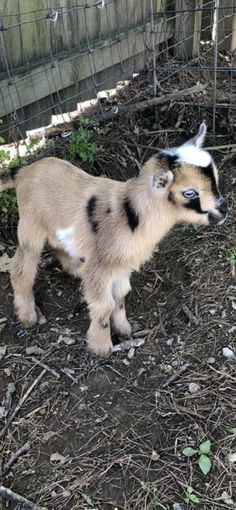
x,y
215,219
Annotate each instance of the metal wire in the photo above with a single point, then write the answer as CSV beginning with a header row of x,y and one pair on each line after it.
x,y
72,39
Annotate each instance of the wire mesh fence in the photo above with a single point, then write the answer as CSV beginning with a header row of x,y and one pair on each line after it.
x,y
59,55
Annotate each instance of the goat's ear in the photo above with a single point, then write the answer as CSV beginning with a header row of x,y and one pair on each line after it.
x,y
161,180
199,138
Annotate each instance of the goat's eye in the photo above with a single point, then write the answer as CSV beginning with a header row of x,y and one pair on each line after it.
x,y
190,193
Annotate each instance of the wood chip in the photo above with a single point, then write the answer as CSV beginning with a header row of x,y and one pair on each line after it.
x,y
5,264
58,458
3,350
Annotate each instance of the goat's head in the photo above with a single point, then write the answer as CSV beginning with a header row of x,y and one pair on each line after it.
x,y
191,183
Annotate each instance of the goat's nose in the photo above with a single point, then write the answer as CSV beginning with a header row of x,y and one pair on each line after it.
x,y
223,206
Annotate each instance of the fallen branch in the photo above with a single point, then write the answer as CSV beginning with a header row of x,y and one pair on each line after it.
x,y
46,367
24,449
176,375
154,101
25,504
52,131
21,402
128,344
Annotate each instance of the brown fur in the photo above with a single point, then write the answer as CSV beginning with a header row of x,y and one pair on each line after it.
x,y
92,236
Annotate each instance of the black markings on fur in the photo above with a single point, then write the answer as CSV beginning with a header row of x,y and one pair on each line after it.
x,y
82,259
121,305
14,172
171,197
208,172
131,215
103,323
91,209
171,160
195,205
108,211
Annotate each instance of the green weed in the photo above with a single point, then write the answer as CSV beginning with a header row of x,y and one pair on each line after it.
x,y
151,491
8,204
190,497
231,258
80,144
203,453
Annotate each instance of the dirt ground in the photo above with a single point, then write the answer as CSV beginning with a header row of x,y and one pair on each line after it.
x,y
108,434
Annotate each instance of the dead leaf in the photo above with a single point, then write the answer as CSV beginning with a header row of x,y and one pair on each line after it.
x,y
3,349
48,435
5,264
57,457
66,339
7,371
155,455
34,349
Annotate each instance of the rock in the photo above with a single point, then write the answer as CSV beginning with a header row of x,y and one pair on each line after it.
x,y
228,353
194,388
231,457
211,360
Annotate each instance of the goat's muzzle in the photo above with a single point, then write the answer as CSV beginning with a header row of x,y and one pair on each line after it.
x,y
221,215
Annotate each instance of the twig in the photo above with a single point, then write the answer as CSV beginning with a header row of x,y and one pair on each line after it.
x,y
25,504
176,375
21,402
53,131
127,344
143,105
190,315
24,449
7,400
46,367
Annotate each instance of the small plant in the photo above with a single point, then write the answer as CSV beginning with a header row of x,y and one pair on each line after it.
x,y
80,144
8,204
203,452
190,497
190,226
151,491
86,498
231,259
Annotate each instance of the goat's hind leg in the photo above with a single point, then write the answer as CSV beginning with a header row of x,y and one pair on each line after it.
x,y
23,272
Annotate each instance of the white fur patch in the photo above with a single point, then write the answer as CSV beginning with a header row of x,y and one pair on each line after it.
x,y
66,239
190,154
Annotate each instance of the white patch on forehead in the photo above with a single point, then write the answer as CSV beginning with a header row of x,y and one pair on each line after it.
x,y
66,238
190,154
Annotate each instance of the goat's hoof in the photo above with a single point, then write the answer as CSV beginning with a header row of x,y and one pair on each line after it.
x,y
123,329
102,350
41,319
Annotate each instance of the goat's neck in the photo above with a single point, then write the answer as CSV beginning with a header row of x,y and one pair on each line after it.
x,y
156,214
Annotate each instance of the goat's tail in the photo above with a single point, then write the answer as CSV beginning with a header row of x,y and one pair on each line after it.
x,y
7,178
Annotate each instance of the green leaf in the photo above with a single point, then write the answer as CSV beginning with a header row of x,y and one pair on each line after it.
x,y
204,463
189,489
205,447
189,452
86,498
233,430
194,498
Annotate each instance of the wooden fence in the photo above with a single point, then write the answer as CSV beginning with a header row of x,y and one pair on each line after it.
x,y
56,53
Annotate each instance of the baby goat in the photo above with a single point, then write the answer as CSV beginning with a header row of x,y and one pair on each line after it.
x,y
102,230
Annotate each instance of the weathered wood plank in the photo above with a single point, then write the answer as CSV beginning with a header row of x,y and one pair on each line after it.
x,y
225,24
184,28
45,80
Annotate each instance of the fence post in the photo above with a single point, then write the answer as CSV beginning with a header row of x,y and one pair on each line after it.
x,y
187,28
226,35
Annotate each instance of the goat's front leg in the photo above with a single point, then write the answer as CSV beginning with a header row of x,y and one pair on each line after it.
x,y
99,333
119,322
